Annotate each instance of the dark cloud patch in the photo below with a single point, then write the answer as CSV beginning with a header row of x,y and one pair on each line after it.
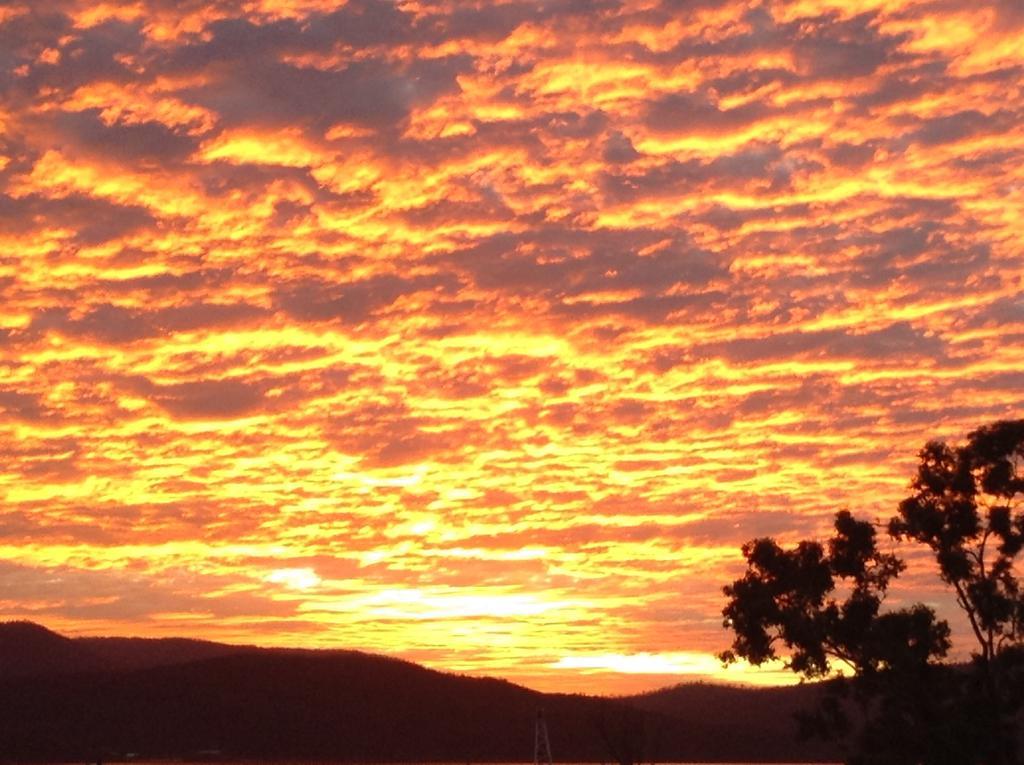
x,y
32,527
817,389
1003,312
169,283
491,22
576,536
604,268
63,469
87,594
240,40
22,406
618,149
93,54
856,456
648,308
275,93
632,411
93,220
205,399
954,267
920,255
750,80
691,7
360,23
390,434
117,324
512,134
824,47
724,218
20,155
921,208
354,302
252,85
1001,381
668,358
963,124
32,449
728,219
287,213
885,253
926,417
1010,14
148,145
1007,17
511,369
760,33
467,380
234,41
735,475
896,342
403,449
222,7
23,37
697,113
226,179
107,323
852,155
673,266
992,161
576,125
836,49
488,208
200,316
37,28
367,92
746,525
906,84
760,162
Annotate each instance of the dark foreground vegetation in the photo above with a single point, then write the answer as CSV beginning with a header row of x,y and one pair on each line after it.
x,y
79,700
821,604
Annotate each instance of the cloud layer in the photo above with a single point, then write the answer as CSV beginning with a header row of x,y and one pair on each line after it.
x,y
483,334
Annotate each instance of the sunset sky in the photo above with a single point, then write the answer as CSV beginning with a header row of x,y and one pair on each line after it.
x,y
483,333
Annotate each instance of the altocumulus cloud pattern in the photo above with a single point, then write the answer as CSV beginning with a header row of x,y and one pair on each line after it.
x,y
483,333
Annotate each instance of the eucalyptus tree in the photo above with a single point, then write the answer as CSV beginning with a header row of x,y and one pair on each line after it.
x,y
819,607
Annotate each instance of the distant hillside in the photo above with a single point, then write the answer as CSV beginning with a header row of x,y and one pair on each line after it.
x,y
156,699
717,702
125,654
28,649
766,717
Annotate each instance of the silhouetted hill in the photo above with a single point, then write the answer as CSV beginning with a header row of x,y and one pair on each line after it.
x,y
765,715
29,649
126,654
344,705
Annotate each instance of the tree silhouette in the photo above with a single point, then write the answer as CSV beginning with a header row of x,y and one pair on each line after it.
x,y
820,607
627,733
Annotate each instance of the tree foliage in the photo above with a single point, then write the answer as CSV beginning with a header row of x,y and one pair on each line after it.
x,y
967,508
819,608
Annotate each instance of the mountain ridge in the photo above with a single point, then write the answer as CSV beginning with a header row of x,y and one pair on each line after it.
x,y
161,699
